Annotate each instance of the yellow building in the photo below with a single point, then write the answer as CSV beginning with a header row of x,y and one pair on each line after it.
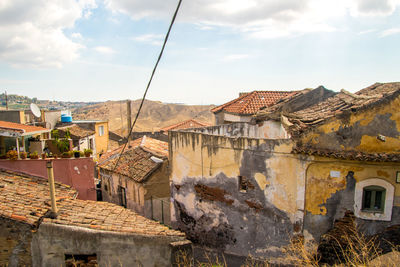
x,y
101,134
251,188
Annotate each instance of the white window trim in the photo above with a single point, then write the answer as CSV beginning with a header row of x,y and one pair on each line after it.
x,y
389,197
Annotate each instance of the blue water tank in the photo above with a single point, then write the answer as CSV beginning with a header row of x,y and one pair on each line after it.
x,y
66,118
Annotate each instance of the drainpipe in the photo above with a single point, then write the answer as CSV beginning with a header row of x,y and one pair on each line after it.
x,y
50,175
129,116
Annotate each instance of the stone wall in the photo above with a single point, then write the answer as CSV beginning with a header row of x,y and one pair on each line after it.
x,y
15,243
52,242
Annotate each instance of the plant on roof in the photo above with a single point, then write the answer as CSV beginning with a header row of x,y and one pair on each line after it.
x,y
23,155
67,154
88,152
34,155
12,154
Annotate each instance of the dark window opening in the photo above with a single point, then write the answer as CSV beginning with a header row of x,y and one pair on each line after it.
x,y
80,260
122,196
243,184
373,198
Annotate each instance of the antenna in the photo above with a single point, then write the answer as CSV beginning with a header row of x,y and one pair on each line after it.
x,y
35,110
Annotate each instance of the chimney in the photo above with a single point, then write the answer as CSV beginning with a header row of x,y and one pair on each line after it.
x,y
242,93
50,176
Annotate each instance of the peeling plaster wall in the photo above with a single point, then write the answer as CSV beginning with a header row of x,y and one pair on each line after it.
x,y
52,242
330,191
210,208
267,129
358,131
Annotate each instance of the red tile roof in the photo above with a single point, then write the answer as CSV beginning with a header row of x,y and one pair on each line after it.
x,y
154,146
135,163
26,199
192,123
21,127
76,131
250,103
305,119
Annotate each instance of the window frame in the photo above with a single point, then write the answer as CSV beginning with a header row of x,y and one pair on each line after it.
x,y
385,213
373,189
101,130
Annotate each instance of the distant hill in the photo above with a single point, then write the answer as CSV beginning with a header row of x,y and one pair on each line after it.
x,y
154,114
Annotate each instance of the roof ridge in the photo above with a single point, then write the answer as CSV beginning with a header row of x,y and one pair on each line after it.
x,y
251,96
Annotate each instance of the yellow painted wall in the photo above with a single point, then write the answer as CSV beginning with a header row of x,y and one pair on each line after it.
x,y
369,143
320,186
101,141
204,157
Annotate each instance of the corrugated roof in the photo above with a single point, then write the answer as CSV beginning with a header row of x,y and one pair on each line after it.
x,y
250,103
191,123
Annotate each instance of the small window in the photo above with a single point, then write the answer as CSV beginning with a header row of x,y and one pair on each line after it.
x,y
243,185
122,196
373,199
101,130
80,260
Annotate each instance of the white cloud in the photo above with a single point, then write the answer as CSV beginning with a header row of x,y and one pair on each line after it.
x,y
104,50
391,31
31,31
76,35
367,31
154,39
375,7
257,18
235,57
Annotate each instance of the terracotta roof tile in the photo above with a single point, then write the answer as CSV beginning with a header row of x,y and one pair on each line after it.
x,y
21,127
75,130
135,163
26,199
192,123
157,147
252,102
343,102
348,155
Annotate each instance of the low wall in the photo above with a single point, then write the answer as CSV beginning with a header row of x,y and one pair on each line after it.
x,y
52,242
78,173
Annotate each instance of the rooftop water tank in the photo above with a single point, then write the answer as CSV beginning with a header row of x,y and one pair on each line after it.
x,y
66,118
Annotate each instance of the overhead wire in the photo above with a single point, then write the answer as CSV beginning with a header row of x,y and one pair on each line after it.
x,y
149,83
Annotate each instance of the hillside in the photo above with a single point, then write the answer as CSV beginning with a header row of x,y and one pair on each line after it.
x,y
154,114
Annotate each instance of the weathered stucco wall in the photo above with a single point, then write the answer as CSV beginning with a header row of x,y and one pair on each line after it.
x,y
210,207
359,131
15,243
330,192
266,130
52,242
140,197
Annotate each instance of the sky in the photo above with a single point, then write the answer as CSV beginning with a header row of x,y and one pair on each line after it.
x,y
99,50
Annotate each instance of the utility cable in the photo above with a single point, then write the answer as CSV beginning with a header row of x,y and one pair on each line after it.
x,y
149,83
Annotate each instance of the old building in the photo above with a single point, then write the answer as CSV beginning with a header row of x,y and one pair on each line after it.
x,y
140,181
81,138
251,188
83,232
191,123
242,108
100,127
19,136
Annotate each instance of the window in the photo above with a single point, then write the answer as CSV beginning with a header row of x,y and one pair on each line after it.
x,y
373,198
242,184
80,260
122,196
101,130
